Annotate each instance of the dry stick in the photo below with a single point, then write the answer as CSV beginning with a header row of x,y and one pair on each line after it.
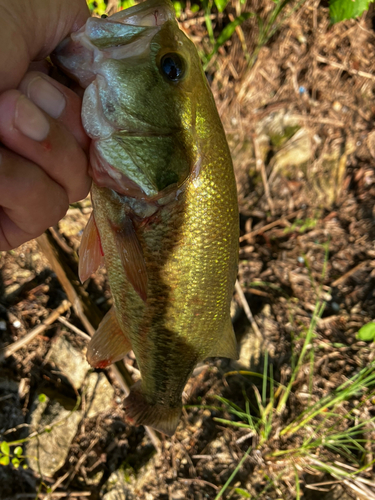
x,y
271,225
83,457
56,494
53,258
345,68
324,121
59,481
248,312
260,165
361,489
343,278
121,373
12,348
74,329
198,481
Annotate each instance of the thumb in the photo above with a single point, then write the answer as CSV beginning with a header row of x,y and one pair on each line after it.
x,y
29,31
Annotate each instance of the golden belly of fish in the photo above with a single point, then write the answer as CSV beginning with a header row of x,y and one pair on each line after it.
x,y
165,217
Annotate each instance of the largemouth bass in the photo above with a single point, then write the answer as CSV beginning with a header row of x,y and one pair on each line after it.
x,y
165,214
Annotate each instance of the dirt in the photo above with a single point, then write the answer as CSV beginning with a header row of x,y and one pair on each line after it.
x,y
300,123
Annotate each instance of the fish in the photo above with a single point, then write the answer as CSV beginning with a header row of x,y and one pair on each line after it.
x,y
165,215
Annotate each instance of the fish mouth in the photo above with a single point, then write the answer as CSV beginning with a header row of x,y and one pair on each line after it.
x,y
105,175
126,34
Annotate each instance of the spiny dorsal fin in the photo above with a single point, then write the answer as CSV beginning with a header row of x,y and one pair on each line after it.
x,y
226,346
90,250
131,256
109,343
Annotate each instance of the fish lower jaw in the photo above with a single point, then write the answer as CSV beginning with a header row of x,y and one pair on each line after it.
x,y
117,181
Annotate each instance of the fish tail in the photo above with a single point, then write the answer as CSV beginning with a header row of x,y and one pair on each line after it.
x,y
140,412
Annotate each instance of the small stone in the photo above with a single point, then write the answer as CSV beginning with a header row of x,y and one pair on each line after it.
x,y
178,495
11,289
17,323
3,325
70,361
337,106
99,394
52,447
250,352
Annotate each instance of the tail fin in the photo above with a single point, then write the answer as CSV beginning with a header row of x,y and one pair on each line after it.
x,y
161,418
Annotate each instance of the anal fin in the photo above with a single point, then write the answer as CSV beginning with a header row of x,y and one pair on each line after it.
x,y
109,343
226,346
90,250
131,256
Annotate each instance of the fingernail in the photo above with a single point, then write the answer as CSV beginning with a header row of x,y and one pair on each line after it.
x,y
46,96
29,120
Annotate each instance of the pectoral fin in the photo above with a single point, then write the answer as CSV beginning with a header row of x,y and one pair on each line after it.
x,y
226,347
131,255
90,250
109,343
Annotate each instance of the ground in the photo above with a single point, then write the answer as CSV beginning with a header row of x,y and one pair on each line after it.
x,y
298,109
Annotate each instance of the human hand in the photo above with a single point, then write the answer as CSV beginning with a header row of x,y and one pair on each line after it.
x,y
43,160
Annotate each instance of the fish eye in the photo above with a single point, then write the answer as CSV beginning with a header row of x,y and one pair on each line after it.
x,y
172,66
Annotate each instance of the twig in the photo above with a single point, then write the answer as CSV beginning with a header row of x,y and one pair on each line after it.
x,y
82,459
271,225
323,121
56,494
61,241
260,165
347,275
338,474
345,68
198,481
12,348
51,252
7,396
246,436
74,329
361,489
59,481
247,310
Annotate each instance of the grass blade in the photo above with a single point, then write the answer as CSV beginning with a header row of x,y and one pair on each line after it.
x,y
232,476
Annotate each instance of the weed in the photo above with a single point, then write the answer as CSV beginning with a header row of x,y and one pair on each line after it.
x,y
329,426
233,475
16,456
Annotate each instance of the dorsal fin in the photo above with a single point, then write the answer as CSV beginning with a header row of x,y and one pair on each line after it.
x,y
131,256
109,343
226,346
90,250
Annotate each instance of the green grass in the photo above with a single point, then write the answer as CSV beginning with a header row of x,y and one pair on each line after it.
x,y
331,426
266,27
